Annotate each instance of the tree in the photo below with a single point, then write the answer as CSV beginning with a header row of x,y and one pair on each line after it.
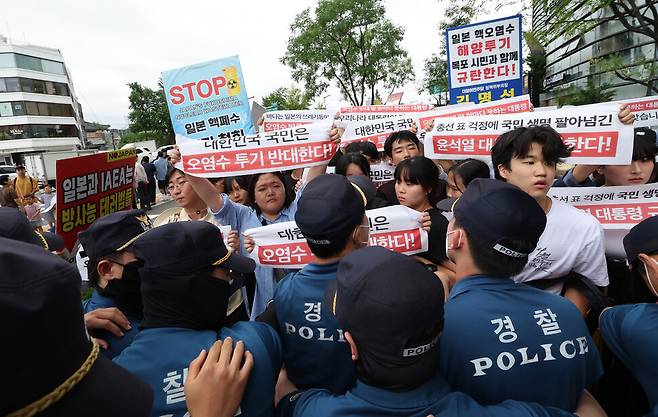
x,y
351,43
592,93
149,114
284,98
636,16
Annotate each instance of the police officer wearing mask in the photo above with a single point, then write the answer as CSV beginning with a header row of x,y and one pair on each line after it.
x,y
391,309
116,302
185,284
331,216
630,331
503,340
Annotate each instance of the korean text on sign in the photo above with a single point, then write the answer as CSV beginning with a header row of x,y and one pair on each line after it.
x,y
297,147
595,134
285,119
375,131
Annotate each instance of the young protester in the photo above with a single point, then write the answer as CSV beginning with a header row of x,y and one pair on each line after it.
x,y
352,164
392,326
40,301
573,240
33,211
161,169
398,147
272,203
113,275
219,183
367,149
185,289
331,216
630,330
462,173
503,340
417,187
48,198
237,189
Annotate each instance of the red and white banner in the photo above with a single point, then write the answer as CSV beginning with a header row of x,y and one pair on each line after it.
x,y
394,109
297,147
595,133
282,245
375,131
645,110
381,173
614,207
520,104
285,119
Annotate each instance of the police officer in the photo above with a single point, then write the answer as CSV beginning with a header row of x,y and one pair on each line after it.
x,y
14,225
185,290
630,331
331,216
53,368
503,340
116,302
391,309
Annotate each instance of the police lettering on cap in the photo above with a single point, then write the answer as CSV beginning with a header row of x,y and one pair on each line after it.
x,y
642,238
187,247
329,209
113,232
393,306
493,213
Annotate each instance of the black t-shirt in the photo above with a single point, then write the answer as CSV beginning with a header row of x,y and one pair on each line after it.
x,y
436,251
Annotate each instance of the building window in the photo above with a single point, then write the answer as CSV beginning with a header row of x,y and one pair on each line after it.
x,y
31,63
32,108
37,131
7,60
29,85
28,62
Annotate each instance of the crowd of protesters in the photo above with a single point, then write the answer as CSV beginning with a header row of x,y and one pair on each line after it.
x,y
521,306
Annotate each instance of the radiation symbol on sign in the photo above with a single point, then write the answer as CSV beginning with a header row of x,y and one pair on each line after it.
x,y
232,83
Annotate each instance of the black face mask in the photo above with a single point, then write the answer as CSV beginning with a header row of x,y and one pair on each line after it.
x,y
196,301
126,290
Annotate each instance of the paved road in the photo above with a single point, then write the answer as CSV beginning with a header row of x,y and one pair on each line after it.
x,y
160,207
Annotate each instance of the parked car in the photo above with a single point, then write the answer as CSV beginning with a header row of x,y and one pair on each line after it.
x,y
8,170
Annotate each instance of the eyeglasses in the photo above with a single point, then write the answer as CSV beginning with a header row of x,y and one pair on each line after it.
x,y
176,186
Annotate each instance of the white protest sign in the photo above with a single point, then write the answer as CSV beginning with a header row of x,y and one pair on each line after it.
x,y
645,110
377,112
614,207
82,261
375,131
518,104
595,134
381,173
282,245
285,119
297,147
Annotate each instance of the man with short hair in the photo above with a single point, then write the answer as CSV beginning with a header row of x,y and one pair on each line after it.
x,y
391,309
331,216
573,240
398,147
503,340
23,184
161,169
116,301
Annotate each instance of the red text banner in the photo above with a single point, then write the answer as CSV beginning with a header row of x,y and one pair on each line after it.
x,y
285,119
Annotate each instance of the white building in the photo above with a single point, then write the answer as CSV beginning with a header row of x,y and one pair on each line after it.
x,y
38,107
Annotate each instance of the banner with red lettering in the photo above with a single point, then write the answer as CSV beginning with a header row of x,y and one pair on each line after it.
x,y
297,147
284,119
91,186
595,134
208,100
381,173
614,207
282,245
375,131
645,110
520,104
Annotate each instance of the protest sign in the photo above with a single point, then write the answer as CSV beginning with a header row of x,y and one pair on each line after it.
x,y
645,110
280,120
282,245
391,109
614,207
595,134
520,104
375,131
381,173
297,147
394,98
485,60
91,186
208,100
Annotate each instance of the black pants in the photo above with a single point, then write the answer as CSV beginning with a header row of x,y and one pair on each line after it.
x,y
152,186
144,197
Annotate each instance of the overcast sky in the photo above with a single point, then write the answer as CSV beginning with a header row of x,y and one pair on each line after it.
x,y
107,44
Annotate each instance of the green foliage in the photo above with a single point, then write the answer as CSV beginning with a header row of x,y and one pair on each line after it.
x,y
591,94
284,98
436,74
350,42
149,113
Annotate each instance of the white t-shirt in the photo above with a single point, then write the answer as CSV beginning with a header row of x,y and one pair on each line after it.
x,y
572,241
